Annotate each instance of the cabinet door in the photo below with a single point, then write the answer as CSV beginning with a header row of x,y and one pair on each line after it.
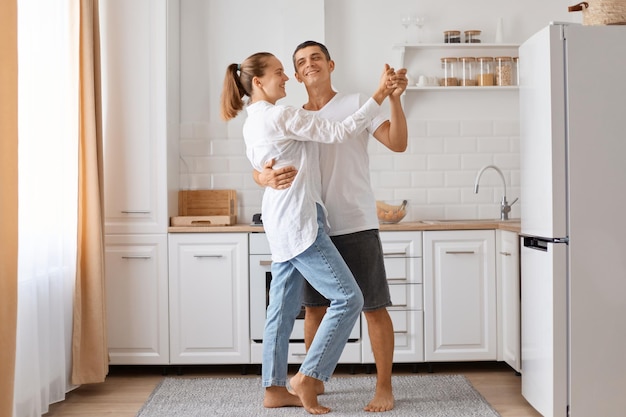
x,y
508,275
209,322
136,299
460,295
134,84
403,265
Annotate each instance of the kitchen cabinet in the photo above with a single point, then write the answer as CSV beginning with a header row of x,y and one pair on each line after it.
x,y
137,299
139,57
403,265
425,59
140,110
208,293
508,281
459,295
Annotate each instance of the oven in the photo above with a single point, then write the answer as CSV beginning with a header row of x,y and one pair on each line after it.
x,y
260,278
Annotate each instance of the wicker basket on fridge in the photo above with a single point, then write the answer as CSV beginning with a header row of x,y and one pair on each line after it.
x,y
601,12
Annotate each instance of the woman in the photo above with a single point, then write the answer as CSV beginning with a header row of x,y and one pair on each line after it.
x,y
294,221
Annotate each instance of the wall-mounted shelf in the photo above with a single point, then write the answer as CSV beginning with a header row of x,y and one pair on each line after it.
x,y
444,46
424,58
473,88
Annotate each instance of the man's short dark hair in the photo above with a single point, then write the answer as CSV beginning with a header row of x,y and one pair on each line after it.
x,y
306,44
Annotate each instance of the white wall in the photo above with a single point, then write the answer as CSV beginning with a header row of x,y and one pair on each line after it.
x,y
451,134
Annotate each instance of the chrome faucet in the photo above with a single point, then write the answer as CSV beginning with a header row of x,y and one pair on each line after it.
x,y
505,207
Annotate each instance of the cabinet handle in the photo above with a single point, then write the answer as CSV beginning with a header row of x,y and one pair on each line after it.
x,y
298,354
460,252
394,253
208,256
265,263
400,331
136,211
505,253
137,257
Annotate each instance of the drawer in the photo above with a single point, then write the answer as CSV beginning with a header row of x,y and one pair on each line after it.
x,y
404,269
258,244
405,295
403,243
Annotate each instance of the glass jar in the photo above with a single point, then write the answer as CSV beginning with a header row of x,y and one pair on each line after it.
x,y
452,36
485,71
516,70
472,36
468,69
504,70
449,72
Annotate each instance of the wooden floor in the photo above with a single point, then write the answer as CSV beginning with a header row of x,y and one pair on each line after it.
x,y
127,388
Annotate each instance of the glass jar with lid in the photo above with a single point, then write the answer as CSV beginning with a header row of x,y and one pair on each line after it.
x,y
485,71
515,70
504,70
467,66
472,36
452,36
448,65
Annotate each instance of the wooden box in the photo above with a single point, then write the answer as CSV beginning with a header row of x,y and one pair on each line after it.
x,y
206,208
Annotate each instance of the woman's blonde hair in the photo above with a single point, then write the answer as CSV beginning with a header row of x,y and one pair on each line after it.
x,y
238,83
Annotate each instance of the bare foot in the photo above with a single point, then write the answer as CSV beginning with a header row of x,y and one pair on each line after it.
x,y
279,397
304,387
319,387
383,401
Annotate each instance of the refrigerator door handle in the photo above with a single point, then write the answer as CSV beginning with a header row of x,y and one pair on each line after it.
x,y
541,243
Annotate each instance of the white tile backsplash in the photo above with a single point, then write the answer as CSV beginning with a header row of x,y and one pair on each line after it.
x,y
443,128
436,174
452,134
477,128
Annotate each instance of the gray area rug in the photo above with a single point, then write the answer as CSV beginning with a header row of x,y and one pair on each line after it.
x,y
419,395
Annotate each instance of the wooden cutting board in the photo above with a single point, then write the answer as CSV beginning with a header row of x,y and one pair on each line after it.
x,y
206,208
203,220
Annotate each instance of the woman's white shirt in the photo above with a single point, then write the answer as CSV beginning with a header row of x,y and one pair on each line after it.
x,y
290,136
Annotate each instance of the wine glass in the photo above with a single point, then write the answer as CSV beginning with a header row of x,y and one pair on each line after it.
x,y
419,22
406,22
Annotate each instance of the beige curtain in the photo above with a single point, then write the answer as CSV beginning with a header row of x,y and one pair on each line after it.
x,y
89,344
8,201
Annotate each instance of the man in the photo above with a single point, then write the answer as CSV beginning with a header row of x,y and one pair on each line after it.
x,y
351,205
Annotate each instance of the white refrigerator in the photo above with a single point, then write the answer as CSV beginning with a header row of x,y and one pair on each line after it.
x,y
573,219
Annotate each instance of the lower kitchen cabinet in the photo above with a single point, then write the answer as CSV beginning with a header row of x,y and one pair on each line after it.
x,y
460,295
509,314
403,265
137,299
208,288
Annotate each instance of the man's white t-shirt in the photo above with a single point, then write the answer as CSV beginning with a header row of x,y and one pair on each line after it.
x,y
346,187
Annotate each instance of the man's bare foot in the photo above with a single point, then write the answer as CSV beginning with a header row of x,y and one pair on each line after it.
x,y
304,387
383,401
279,397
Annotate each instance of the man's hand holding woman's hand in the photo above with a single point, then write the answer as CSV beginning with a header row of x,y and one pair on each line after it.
x,y
392,83
400,82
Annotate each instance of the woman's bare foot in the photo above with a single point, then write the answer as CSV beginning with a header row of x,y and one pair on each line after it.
x,y
383,401
279,397
305,388
319,388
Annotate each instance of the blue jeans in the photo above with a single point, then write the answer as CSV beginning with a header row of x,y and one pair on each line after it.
x,y
324,268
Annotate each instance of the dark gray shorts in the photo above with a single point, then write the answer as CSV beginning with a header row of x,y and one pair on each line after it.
x,y
363,253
